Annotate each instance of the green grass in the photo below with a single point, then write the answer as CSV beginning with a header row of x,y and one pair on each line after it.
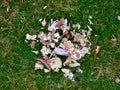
x,y
17,62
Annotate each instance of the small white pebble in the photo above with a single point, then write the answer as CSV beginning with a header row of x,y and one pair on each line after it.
x,y
90,17
8,8
42,28
97,49
33,4
44,22
119,18
45,7
35,52
117,80
40,19
26,41
46,70
92,73
96,35
37,41
114,39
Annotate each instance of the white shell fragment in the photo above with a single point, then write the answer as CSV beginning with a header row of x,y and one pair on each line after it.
x,y
79,70
55,63
67,73
61,51
71,62
35,52
52,26
52,45
44,22
57,35
84,33
45,50
97,49
46,70
76,55
119,18
30,37
76,26
38,66
32,44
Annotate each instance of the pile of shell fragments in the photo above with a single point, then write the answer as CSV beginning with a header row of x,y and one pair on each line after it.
x,y
62,47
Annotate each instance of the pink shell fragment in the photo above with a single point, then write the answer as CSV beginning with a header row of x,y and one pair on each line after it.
x,y
61,51
43,41
60,23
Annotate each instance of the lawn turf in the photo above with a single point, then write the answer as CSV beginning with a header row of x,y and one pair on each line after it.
x,y
17,62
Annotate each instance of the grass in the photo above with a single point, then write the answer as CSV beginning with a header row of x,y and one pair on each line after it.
x,y
16,60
